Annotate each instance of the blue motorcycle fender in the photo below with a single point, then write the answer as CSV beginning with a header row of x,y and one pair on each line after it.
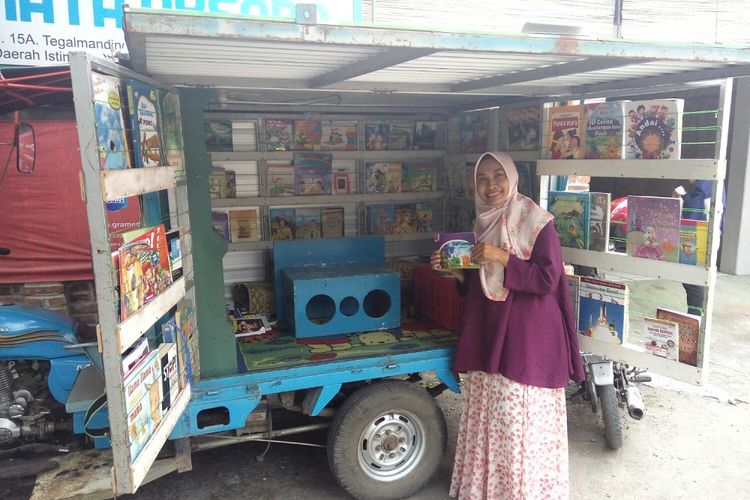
x,y
63,373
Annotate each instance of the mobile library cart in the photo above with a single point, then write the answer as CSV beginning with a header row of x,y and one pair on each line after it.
x,y
270,80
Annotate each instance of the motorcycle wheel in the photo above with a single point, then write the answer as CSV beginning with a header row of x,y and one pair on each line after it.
x,y
610,416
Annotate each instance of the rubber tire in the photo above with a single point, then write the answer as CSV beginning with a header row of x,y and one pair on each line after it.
x,y
357,412
610,416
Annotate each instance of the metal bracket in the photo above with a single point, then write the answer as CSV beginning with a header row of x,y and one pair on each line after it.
x,y
306,13
602,373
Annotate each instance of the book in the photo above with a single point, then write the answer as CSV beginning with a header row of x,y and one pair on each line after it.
x,y
279,134
404,218
244,225
143,403
340,183
133,355
693,242
564,133
419,177
282,223
220,222
653,228
332,222
109,122
455,250
171,332
171,125
662,337
169,374
307,223
599,222
339,136
383,177
280,178
218,135
429,135
525,184
380,219
249,325
123,214
217,183
459,218
458,181
690,326
523,128
473,131
400,135
307,135
175,253
312,173
654,129
574,283
376,135
231,183
571,212
604,130
424,218
143,105
603,310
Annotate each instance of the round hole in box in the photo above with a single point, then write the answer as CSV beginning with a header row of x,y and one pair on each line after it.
x,y
320,309
377,303
349,306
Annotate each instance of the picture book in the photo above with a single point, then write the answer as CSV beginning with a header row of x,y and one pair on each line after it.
x,y
429,135
143,105
455,250
523,128
312,173
599,222
218,135
109,121
220,222
602,310
564,133
419,177
380,218
604,130
217,183
572,211
459,218
376,135
401,135
307,223
143,403
332,222
172,333
171,126
169,374
474,128
282,223
662,337
525,182
574,283
133,355
307,135
653,228
693,241
405,218
458,181
175,254
231,183
653,130
244,225
424,218
123,214
279,134
249,325
280,178
339,136
341,183
690,326
383,177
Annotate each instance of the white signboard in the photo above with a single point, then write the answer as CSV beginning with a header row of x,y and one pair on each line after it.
x,y
41,32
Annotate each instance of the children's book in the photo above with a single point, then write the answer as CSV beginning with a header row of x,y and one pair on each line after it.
x,y
419,177
653,129
380,218
574,283
602,310
424,217
604,130
429,135
459,218
376,135
332,222
279,134
280,178
662,337
133,355
523,128
143,403
123,214
572,212
109,117
220,222
249,325
217,183
339,136
218,135
175,253
169,376
172,333
455,250
693,241
401,135
525,183
143,102
171,125
458,186
244,225
383,177
340,183
405,218
564,133
653,228
307,223
473,131
690,326
599,222
231,183
282,223
312,173
307,135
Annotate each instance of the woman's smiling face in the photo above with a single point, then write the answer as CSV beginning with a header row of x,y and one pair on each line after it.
x,y
492,183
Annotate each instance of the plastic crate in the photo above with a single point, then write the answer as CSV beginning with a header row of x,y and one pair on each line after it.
x,y
436,297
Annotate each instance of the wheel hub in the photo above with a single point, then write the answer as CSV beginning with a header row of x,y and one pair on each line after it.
x,y
391,445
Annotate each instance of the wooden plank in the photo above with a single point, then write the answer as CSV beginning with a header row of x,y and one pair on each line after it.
x,y
118,184
333,199
709,169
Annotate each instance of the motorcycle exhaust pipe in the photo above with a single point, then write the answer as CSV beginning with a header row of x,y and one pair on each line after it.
x,y
635,402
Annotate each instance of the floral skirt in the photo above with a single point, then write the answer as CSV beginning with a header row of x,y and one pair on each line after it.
x,y
512,441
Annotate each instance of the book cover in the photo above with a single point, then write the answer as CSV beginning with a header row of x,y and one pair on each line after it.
x,y
134,355
654,129
653,228
175,253
572,212
405,218
599,222
525,181
244,225
473,131
693,241
312,173
247,325
307,135
602,310
279,134
172,333
419,177
220,222
143,102
307,223
171,125
424,217
383,177
523,128
231,181
401,135
455,250
144,412
123,214
457,179
341,183
169,374
380,218
459,218
429,135
690,326
280,178
218,135
564,134
217,183
332,222
662,337
574,283
604,130
339,136
376,135
144,270
109,121
282,223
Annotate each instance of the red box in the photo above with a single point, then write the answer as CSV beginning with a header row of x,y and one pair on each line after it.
x,y
437,297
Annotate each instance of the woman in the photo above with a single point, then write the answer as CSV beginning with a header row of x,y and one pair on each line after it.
x,y
518,346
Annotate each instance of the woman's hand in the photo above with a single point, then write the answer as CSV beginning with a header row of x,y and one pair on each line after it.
x,y
435,263
484,252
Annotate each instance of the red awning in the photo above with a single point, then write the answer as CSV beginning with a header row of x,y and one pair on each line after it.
x,y
22,88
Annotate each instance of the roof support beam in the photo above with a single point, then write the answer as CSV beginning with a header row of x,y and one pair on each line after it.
x,y
390,57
